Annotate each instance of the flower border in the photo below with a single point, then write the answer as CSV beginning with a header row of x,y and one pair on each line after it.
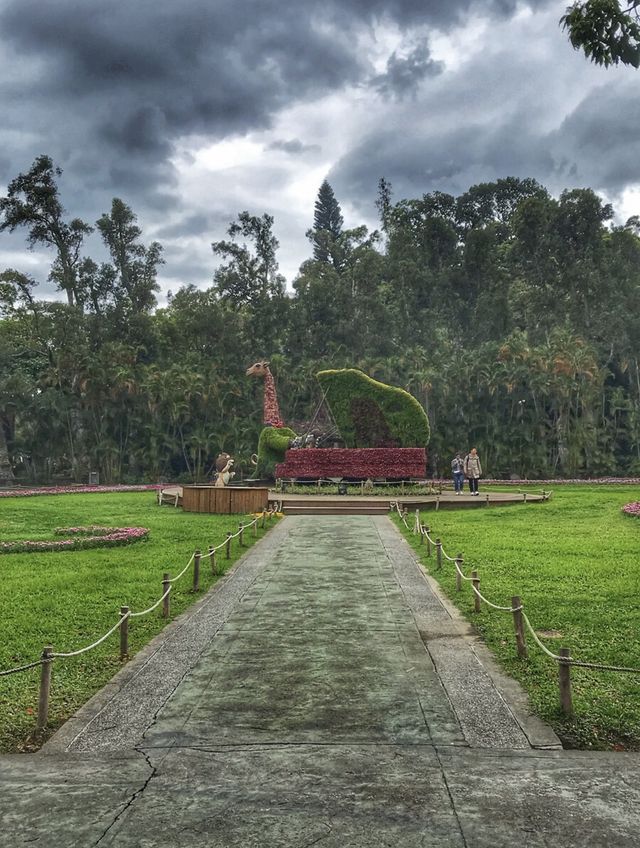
x,y
82,538
77,490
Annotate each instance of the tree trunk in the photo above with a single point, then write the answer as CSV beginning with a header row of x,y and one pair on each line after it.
x,y
6,471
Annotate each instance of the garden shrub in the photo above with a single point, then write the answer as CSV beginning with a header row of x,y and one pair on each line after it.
x,y
366,410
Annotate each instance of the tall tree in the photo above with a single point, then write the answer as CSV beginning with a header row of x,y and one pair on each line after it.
x,y
33,201
136,265
327,226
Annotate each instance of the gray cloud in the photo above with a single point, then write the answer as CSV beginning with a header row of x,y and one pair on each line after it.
x,y
293,146
405,73
515,109
113,92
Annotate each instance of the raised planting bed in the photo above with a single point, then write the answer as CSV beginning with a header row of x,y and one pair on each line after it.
x,y
391,463
224,500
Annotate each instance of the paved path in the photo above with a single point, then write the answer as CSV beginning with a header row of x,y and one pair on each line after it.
x,y
321,694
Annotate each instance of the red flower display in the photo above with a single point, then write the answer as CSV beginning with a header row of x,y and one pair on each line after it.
x,y
392,463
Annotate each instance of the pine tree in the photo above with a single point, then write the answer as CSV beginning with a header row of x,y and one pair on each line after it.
x,y
327,225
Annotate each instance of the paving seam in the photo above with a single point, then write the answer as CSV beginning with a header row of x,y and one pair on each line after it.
x,y
511,697
218,604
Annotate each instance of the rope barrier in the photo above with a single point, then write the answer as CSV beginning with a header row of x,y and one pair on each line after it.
x,y
20,668
490,603
151,609
129,614
562,660
173,579
95,644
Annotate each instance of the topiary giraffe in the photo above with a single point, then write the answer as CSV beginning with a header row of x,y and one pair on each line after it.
x,y
274,439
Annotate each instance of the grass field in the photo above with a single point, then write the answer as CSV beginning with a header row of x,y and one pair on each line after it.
x,y
575,562
69,599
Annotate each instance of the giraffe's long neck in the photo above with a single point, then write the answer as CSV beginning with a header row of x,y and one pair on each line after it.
x,y
271,411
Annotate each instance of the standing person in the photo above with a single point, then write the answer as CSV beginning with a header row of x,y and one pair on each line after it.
x,y
457,469
473,470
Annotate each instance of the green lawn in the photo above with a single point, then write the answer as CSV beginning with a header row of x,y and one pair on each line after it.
x,y
69,599
575,562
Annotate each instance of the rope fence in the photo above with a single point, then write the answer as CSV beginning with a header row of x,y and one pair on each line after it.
x,y
49,655
516,608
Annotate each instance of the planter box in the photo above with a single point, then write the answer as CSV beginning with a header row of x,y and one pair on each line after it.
x,y
224,500
392,463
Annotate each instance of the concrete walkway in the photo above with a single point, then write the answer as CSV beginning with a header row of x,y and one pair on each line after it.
x,y
322,693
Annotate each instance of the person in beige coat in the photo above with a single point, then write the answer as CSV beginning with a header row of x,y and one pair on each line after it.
x,y
472,470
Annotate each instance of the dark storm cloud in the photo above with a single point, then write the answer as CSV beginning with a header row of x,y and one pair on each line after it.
x,y
293,146
597,145
190,225
599,140
405,73
108,89
138,75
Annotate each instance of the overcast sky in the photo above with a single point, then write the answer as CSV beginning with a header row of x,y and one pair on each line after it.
x,y
193,111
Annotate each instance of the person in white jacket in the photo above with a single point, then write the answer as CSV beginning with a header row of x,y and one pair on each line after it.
x,y
472,470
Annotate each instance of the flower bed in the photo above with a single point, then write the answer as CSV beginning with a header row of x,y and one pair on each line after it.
x,y
632,509
585,481
398,463
75,490
81,538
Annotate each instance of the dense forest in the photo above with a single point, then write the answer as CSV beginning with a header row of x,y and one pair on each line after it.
x,y
511,315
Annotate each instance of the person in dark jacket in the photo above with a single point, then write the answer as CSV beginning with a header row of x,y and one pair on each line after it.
x,y
472,470
457,469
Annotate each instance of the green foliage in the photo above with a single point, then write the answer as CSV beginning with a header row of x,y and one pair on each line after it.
x,y
272,445
512,316
573,562
607,32
371,414
68,599
327,226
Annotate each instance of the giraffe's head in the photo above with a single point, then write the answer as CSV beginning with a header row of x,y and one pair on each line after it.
x,y
258,369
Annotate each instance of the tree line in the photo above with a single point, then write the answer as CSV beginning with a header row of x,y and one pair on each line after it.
x,y
511,315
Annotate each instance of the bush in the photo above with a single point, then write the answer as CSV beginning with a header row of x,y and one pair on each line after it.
x,y
370,414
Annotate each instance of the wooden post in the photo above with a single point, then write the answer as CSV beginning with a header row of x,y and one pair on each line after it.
x,y
416,523
421,526
124,632
427,530
196,570
487,498
255,528
437,502
212,559
166,606
45,687
475,582
524,497
564,675
228,545
240,536
438,553
518,623
264,517
459,562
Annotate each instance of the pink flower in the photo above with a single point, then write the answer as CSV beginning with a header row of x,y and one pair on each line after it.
x,y
85,537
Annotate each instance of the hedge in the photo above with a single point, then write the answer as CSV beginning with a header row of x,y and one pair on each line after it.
x,y
370,414
272,445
